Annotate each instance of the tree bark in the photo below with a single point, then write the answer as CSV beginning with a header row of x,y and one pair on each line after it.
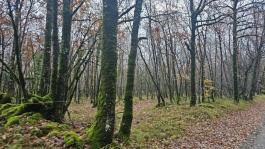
x,y
46,66
235,52
192,50
56,49
101,132
126,123
62,82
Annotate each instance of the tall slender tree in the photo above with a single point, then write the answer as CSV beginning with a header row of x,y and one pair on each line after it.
x,y
235,50
126,123
15,19
56,49
46,66
101,132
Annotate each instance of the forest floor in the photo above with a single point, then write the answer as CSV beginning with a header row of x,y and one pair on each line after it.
x,y
257,139
209,125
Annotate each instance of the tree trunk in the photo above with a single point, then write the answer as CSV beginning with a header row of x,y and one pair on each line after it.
x,y
101,132
125,128
235,52
46,66
62,82
193,60
56,49
16,44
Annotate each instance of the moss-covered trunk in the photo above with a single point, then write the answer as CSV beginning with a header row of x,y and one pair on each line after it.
x,y
62,82
125,127
56,49
101,132
46,66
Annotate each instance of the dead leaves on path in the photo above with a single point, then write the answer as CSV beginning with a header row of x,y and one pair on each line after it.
x,y
226,132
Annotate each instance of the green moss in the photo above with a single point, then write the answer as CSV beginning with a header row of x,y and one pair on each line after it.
x,y
38,99
37,132
12,110
31,118
15,146
12,121
36,116
71,139
54,126
206,105
55,133
25,118
95,136
4,107
49,127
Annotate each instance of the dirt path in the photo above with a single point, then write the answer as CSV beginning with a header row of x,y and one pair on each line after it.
x,y
227,132
257,139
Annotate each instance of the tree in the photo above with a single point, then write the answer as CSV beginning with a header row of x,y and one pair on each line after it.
x,y
15,19
195,12
101,132
235,50
62,82
56,49
46,66
125,127
258,56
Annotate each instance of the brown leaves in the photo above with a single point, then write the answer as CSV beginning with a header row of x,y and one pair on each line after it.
x,y
226,132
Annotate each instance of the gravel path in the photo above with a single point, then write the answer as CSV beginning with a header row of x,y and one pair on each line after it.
x,y
257,139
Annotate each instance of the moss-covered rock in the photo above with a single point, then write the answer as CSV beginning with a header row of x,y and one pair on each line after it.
x,y
38,99
12,121
10,110
5,98
52,126
4,106
71,139
34,104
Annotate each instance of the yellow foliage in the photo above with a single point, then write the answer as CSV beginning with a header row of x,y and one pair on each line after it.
x,y
209,87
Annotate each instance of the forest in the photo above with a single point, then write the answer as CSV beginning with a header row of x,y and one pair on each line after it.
x,y
162,74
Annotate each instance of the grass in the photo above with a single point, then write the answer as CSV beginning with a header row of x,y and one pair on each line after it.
x,y
153,125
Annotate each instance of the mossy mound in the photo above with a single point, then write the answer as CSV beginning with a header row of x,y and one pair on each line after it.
x,y
26,118
5,98
49,127
38,99
71,139
10,110
35,109
12,121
